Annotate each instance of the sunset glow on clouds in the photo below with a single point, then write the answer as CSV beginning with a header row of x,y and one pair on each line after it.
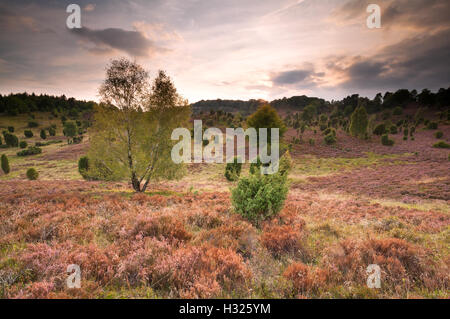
x,y
228,49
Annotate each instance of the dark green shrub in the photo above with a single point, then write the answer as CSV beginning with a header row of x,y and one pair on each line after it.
x,y
432,126
11,129
33,124
23,144
28,133
32,150
47,143
329,131
5,164
329,139
259,197
438,134
32,174
386,141
11,140
405,131
285,163
380,129
441,144
233,170
312,142
43,134
83,166
52,131
397,110
393,129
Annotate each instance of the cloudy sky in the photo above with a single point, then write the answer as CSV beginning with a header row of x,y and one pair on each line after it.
x,y
229,49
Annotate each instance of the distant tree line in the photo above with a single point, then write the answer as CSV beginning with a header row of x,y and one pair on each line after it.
x,y
21,103
346,106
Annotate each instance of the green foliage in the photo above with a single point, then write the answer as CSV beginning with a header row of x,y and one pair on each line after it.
x,y
432,126
32,150
23,144
259,197
133,139
28,133
380,129
266,117
233,170
51,131
397,110
386,141
33,124
32,174
255,168
393,129
438,134
11,129
11,140
330,139
285,164
43,134
70,129
47,143
312,142
441,144
329,131
5,164
359,122
83,167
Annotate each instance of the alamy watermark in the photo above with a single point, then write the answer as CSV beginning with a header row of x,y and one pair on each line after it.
x,y
74,279
374,19
374,278
213,152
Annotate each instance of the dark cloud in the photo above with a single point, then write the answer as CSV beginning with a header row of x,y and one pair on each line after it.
x,y
132,42
417,62
300,78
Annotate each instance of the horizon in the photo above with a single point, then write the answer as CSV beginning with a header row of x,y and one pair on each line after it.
x,y
230,51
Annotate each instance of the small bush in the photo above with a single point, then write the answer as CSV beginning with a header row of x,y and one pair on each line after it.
x,y
5,164
329,139
11,129
32,150
312,142
441,144
386,141
28,133
380,129
11,140
32,174
23,144
285,164
393,129
233,170
83,166
432,126
438,134
52,131
33,124
258,198
43,134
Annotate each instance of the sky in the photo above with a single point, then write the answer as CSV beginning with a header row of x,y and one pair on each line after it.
x,y
228,49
